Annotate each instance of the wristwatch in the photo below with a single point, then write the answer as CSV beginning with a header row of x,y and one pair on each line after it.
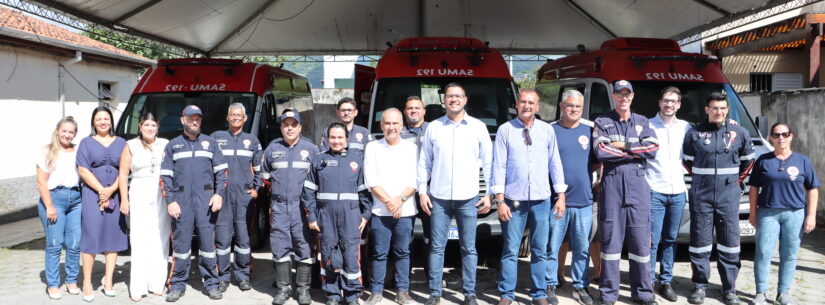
x,y
404,198
497,202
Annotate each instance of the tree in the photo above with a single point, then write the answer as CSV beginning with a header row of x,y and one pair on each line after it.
x,y
139,46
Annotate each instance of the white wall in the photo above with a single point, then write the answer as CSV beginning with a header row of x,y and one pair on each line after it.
x,y
334,69
29,107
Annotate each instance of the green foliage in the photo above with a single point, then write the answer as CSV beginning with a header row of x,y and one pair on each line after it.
x,y
139,46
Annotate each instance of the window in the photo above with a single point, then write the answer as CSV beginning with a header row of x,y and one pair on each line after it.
x,y
761,82
106,91
599,100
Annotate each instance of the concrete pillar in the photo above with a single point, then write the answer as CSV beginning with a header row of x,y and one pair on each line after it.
x,y
813,54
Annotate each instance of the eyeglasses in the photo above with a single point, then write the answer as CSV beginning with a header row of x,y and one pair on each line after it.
x,y
455,96
777,135
782,165
237,115
670,101
346,110
526,134
624,95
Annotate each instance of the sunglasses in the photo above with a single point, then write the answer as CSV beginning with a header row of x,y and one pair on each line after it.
x,y
776,135
526,134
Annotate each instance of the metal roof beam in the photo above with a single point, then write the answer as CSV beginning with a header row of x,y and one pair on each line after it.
x,y
590,18
237,30
114,26
136,11
713,7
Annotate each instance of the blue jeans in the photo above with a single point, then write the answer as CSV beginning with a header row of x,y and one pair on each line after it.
x,y
65,232
386,230
465,214
786,226
666,216
578,222
533,215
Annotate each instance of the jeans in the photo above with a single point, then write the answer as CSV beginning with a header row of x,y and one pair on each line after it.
x,y
65,232
465,213
666,217
578,222
535,216
386,230
786,226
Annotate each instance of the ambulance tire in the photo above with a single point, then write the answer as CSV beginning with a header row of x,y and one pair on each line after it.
x,y
524,247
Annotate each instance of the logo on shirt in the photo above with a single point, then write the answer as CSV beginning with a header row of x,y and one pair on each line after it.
x,y
205,144
359,136
583,141
354,166
639,129
177,146
246,143
221,142
304,154
278,154
793,172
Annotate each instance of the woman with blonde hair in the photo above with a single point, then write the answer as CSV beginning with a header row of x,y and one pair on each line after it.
x,y
141,199
59,208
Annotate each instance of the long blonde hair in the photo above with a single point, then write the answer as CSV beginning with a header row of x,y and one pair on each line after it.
x,y
53,148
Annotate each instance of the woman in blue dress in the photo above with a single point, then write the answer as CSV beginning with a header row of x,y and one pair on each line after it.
x,y
103,226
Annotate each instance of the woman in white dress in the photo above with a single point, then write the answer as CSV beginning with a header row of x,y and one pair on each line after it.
x,y
149,222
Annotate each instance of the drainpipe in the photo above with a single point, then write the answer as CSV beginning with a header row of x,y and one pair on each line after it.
x,y
60,80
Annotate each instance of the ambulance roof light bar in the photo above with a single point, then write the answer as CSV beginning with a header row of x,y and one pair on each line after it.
x,y
701,61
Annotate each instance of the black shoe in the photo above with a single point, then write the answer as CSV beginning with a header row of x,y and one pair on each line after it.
x,y
331,302
281,296
651,301
551,296
244,285
542,301
603,302
215,294
731,298
470,300
667,292
223,286
302,296
174,295
582,296
433,300
697,296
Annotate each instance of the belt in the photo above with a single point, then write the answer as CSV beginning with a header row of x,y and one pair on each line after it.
x,y
61,187
180,188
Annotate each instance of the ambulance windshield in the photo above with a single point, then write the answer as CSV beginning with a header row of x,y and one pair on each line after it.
x,y
167,108
488,99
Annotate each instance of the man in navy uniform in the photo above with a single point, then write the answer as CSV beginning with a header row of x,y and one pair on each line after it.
x,y
193,180
286,162
623,142
358,135
338,206
718,155
243,154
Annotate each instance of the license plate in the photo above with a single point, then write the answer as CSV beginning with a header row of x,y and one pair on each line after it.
x,y
452,233
746,229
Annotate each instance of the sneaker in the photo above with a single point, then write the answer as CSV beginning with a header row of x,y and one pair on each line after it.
x,y
551,296
731,298
505,301
582,295
174,295
433,300
760,299
697,296
215,294
470,300
403,298
667,292
374,299
783,299
244,285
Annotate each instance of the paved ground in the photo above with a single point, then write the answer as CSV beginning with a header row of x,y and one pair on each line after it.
x,y
21,272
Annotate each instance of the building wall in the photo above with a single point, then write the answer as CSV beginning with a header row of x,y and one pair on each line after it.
x,y
29,110
738,67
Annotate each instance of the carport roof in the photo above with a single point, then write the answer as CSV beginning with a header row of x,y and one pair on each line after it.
x,y
312,27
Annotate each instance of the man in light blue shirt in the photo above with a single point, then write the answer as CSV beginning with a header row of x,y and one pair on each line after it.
x,y
525,155
454,147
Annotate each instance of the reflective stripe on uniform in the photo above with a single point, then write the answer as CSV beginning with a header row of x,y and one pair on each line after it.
x,y
716,171
640,259
651,140
300,164
699,250
356,146
309,260
337,196
181,155
167,172
279,164
228,152
203,153
310,185
726,249
748,157
181,255
286,258
224,251
611,257
240,250
244,153
256,168
602,139
207,254
266,175
688,157
220,167
351,276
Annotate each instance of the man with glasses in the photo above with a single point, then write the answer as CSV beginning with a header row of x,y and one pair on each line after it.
x,y
623,142
719,156
525,154
453,147
346,112
665,175
243,154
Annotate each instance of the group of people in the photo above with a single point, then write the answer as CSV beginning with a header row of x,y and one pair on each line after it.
x,y
541,176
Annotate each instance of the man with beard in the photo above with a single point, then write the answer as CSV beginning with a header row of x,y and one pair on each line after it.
x,y
358,135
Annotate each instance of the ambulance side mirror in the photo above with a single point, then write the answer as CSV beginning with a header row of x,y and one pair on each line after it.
x,y
762,125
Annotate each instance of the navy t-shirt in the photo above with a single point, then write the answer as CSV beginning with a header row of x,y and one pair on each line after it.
x,y
574,149
783,184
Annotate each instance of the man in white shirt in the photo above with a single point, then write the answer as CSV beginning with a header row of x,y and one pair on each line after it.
x,y
665,175
454,147
390,173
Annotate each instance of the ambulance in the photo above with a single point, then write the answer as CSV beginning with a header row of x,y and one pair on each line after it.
x,y
213,84
650,65
422,66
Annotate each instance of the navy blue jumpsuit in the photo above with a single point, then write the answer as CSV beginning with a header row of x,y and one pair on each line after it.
x,y
191,172
718,159
242,152
624,202
336,197
357,141
287,167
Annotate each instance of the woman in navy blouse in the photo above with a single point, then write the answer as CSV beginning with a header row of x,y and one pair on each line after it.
x,y
783,198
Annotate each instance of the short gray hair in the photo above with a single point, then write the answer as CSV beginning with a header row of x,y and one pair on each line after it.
x,y
571,93
237,106
391,110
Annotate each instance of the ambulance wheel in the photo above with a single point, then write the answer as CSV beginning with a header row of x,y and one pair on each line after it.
x,y
524,247
259,230
316,276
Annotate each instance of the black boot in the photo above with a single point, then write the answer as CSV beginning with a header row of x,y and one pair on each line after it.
x,y
303,278
283,272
